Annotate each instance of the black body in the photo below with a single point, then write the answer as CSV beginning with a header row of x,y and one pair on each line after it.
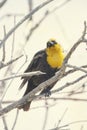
x,y
39,63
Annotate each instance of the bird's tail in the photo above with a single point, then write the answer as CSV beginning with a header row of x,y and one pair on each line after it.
x,y
25,107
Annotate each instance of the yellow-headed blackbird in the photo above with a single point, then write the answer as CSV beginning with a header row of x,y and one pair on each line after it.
x,y
49,61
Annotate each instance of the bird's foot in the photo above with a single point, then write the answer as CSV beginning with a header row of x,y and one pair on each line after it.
x,y
47,93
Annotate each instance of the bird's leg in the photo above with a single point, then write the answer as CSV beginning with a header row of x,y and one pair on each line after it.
x,y
46,92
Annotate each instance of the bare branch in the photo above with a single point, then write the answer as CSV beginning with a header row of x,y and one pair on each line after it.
x,y
68,124
74,122
22,75
70,83
72,50
76,68
3,95
44,17
4,121
16,118
46,114
82,39
62,117
24,19
10,62
8,102
36,26
3,57
2,3
12,50
31,95
30,4
84,31
66,98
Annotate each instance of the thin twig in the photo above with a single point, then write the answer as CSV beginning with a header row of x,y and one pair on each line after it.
x,y
82,127
16,118
62,117
74,122
3,95
81,39
2,3
8,102
24,19
70,83
12,51
30,5
22,75
3,57
76,68
10,62
4,120
31,95
46,115
35,27
66,98
68,124
48,12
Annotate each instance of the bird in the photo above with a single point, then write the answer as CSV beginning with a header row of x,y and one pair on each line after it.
x,y
48,61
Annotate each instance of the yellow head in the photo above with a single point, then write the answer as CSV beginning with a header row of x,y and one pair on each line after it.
x,y
52,45
55,55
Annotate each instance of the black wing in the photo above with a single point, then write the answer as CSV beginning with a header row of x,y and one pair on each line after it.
x,y
32,66
34,63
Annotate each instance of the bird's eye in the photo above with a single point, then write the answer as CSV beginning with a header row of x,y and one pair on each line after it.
x,y
54,42
51,43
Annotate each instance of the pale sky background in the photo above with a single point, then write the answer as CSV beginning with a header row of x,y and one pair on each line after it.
x,y
66,26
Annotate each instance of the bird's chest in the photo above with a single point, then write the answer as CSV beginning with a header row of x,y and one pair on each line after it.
x,y
55,60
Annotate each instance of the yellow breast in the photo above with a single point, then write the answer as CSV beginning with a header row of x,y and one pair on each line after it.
x,y
55,56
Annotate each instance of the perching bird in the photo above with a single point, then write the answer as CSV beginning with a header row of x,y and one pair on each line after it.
x,y
48,61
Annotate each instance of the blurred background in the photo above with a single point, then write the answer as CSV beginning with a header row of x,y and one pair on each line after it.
x,y
62,20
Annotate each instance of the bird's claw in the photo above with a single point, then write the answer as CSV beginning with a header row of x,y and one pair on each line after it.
x,y
47,93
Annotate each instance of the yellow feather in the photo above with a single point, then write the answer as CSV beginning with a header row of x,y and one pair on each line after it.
x,y
55,56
